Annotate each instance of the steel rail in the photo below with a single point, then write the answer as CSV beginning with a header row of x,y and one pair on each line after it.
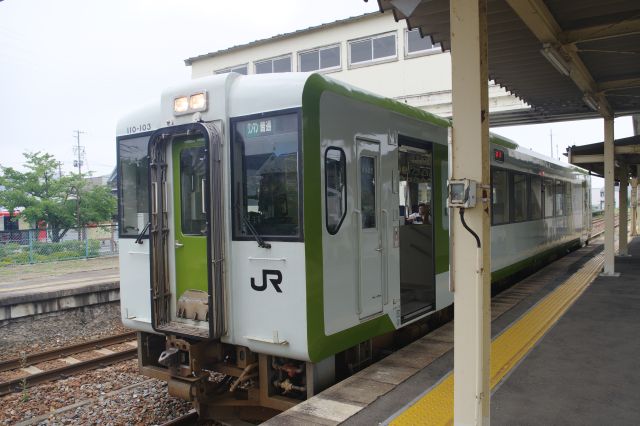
x,y
66,371
189,418
21,362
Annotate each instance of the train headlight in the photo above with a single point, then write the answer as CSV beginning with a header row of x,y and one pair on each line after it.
x,y
198,102
187,104
180,105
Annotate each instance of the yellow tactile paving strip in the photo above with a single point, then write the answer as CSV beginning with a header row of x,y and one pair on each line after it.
x,y
507,349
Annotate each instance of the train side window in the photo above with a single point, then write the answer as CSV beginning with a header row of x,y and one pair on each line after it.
x,y
535,198
548,190
335,181
559,206
567,198
520,195
368,191
499,196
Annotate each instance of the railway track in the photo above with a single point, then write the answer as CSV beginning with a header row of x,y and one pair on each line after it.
x,y
189,418
597,226
100,357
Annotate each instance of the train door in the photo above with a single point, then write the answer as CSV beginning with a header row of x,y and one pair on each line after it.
x,y
190,226
369,234
417,261
185,179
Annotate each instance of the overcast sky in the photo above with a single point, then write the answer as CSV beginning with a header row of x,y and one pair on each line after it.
x,y
80,65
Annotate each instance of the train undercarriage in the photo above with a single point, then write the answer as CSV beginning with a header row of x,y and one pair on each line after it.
x,y
223,380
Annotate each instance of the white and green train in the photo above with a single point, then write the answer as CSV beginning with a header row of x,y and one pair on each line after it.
x,y
272,226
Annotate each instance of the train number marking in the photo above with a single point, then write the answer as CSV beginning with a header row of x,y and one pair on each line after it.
x,y
275,282
141,127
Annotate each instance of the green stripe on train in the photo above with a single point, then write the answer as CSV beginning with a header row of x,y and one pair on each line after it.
x,y
534,261
319,344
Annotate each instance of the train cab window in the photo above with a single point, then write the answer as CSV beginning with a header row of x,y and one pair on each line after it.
x,y
559,199
500,196
520,195
535,198
133,169
265,178
548,189
335,179
192,185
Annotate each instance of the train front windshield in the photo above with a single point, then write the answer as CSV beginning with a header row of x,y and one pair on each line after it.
x,y
265,177
133,163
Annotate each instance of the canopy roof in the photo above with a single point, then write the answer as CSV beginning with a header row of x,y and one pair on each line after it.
x,y
591,157
568,59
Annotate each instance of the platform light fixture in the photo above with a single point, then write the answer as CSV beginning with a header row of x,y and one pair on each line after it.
x,y
590,101
554,57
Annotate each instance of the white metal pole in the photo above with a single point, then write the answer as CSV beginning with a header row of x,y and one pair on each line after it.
x,y
609,227
470,265
623,216
634,206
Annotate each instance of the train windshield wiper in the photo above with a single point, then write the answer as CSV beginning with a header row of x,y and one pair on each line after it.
x,y
258,238
141,234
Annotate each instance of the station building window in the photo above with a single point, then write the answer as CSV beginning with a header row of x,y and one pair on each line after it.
x,y
321,59
240,69
273,65
372,49
415,45
500,196
548,189
335,172
535,198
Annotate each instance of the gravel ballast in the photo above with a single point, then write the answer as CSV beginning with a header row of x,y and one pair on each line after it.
x,y
114,395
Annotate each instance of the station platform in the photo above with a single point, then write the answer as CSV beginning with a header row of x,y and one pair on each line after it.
x,y
565,350
27,290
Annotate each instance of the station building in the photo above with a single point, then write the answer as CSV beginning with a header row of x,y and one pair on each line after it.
x,y
370,51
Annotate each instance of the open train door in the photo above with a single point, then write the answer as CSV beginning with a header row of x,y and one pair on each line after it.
x,y
185,176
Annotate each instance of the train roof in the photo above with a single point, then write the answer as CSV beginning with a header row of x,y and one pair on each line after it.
x,y
254,94
233,95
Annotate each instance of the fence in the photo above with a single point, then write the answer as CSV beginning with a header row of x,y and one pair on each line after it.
x,y
48,245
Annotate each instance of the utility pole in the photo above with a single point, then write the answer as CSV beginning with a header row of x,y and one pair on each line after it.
x,y
79,152
551,141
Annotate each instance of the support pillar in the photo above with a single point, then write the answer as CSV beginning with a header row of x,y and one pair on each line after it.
x,y
609,208
634,206
623,215
470,265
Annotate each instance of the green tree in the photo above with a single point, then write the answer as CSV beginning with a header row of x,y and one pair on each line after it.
x,y
60,202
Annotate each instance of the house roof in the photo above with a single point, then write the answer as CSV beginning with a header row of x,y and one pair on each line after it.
x,y
189,61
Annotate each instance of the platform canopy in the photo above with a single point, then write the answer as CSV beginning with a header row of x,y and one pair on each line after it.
x,y
591,157
568,59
